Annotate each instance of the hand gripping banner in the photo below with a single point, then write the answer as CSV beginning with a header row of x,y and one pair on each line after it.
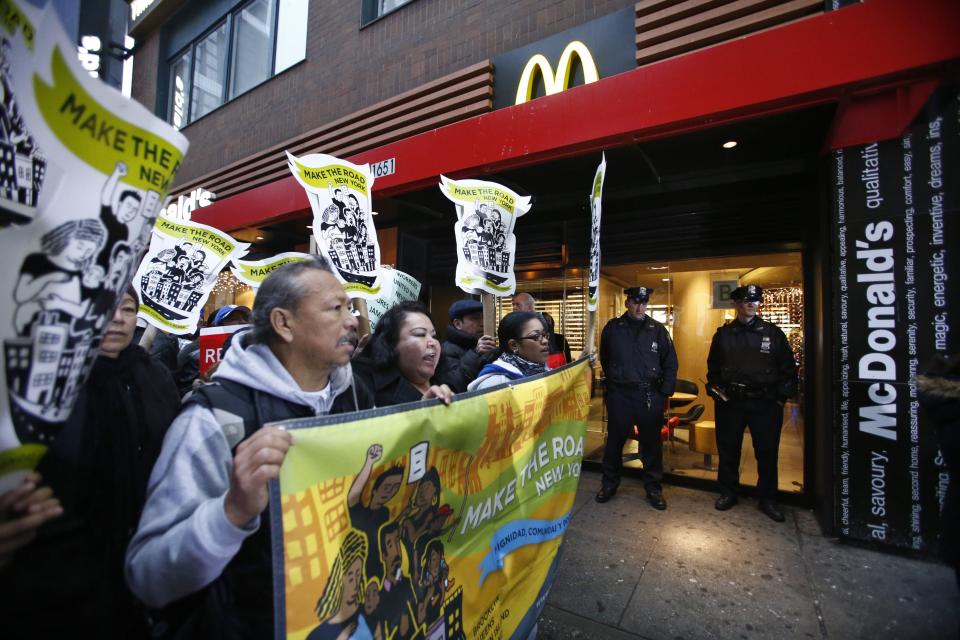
x,y
596,195
179,271
340,195
84,172
486,246
429,521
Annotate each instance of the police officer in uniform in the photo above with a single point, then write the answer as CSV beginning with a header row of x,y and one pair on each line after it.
x,y
640,367
751,372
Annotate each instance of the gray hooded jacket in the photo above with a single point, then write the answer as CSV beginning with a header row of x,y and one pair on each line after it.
x,y
184,539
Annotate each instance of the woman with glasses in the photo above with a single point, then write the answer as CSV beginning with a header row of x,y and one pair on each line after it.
x,y
524,347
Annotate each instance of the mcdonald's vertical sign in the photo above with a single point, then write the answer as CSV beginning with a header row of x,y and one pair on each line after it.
x,y
599,48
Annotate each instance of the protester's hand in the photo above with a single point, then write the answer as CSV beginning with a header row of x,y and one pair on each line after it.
x,y
121,169
441,391
374,452
486,344
22,511
256,462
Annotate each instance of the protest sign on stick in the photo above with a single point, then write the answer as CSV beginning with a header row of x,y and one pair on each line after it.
x,y
340,197
395,287
593,281
427,520
85,172
253,272
180,270
486,246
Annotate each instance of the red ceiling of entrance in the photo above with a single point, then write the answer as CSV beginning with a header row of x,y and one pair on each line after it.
x,y
861,57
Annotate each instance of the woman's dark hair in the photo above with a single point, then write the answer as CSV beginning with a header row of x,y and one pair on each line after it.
x,y
383,345
512,324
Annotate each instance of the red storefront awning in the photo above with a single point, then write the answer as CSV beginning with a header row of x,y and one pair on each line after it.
x,y
878,60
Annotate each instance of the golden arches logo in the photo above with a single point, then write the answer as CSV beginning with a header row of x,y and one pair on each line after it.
x,y
556,83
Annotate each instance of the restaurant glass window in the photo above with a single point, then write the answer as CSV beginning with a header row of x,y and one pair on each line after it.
x,y
252,38
691,298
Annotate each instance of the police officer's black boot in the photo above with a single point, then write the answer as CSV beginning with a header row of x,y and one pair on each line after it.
x,y
771,510
605,494
656,500
724,502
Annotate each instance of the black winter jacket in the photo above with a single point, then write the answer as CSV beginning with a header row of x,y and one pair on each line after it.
x,y
69,580
461,363
638,352
755,354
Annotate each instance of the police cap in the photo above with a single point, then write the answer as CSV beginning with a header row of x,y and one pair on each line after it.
x,y
462,308
638,294
748,293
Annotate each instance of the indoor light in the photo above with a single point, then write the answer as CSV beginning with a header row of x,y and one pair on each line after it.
x,y
729,144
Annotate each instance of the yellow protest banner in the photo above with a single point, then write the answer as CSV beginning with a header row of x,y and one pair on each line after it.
x,y
426,520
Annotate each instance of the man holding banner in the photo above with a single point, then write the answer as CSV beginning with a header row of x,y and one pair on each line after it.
x,y
201,528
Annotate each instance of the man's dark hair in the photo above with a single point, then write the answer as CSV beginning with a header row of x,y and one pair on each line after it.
x,y
130,193
383,345
280,289
396,470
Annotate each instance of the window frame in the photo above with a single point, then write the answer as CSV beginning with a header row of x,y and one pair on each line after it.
x,y
275,19
368,11
228,21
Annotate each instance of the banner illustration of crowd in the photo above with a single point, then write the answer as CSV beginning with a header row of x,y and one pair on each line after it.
x,y
72,252
443,525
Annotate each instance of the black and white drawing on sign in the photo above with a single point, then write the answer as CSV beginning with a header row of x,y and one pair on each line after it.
x,y
344,230
175,280
62,301
22,164
485,238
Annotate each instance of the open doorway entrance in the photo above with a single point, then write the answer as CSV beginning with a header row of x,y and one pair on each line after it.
x,y
691,298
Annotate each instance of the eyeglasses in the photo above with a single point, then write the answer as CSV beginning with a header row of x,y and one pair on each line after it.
x,y
537,337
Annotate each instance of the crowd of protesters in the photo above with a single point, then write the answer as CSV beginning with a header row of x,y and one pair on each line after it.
x,y
146,517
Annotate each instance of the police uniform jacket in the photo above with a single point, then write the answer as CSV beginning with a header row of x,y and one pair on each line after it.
x,y
637,353
756,355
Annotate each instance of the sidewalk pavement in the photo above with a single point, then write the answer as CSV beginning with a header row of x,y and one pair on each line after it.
x,y
693,572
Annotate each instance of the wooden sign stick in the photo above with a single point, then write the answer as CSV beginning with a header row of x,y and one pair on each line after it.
x,y
489,314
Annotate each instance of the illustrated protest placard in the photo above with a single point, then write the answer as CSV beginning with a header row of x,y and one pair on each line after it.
x,y
340,196
86,204
179,271
22,163
253,272
596,195
395,287
426,520
486,245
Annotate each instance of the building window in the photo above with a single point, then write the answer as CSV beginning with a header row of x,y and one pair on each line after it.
x,y
209,72
253,42
373,9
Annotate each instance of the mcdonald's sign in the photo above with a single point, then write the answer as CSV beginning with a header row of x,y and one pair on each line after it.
x,y
556,83
574,56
